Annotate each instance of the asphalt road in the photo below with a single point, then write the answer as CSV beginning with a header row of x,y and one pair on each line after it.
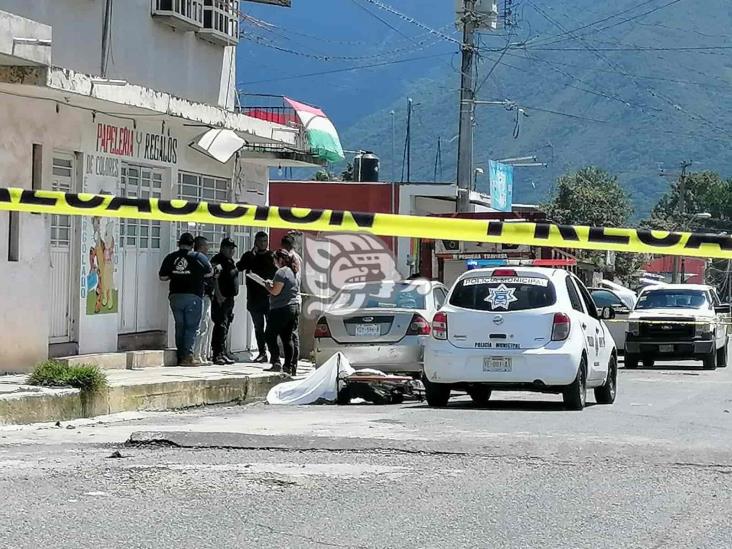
x,y
652,471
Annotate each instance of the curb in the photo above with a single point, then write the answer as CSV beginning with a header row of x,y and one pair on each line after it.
x,y
67,404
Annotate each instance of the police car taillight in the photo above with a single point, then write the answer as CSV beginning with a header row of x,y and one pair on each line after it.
x,y
439,326
561,327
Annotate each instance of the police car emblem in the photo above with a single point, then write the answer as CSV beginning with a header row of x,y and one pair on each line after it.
x,y
501,297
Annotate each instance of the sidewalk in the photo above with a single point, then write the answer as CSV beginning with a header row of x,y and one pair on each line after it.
x,y
142,389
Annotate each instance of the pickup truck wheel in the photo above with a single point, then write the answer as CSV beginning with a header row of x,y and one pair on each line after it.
x,y
648,362
631,361
575,394
606,393
722,357
710,361
480,395
437,394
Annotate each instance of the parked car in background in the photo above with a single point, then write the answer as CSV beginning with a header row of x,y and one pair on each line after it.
x,y
619,325
385,328
626,295
678,321
528,328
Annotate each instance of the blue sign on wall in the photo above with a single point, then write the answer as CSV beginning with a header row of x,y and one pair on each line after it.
x,y
501,178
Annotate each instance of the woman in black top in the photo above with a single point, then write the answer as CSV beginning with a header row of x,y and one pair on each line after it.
x,y
284,299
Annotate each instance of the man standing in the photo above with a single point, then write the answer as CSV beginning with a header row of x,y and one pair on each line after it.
x,y
186,270
202,348
260,261
222,308
288,243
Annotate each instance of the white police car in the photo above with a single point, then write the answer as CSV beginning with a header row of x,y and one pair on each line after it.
x,y
527,328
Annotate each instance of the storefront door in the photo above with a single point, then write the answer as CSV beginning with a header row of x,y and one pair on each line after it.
x,y
63,283
142,307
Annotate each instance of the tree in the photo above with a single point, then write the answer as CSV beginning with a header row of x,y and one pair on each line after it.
x,y
589,196
592,196
705,192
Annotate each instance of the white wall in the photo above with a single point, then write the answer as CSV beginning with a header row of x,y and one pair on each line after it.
x,y
24,285
143,50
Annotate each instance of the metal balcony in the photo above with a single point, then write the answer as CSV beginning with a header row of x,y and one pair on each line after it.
x,y
220,22
186,15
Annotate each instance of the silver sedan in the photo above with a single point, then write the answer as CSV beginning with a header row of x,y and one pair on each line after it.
x,y
383,325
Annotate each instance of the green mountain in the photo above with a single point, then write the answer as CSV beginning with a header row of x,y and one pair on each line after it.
x,y
620,85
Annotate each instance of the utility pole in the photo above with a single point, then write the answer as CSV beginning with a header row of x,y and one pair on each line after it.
x,y
106,35
438,160
467,107
677,277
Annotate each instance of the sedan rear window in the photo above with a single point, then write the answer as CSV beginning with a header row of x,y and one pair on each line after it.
x,y
503,293
385,295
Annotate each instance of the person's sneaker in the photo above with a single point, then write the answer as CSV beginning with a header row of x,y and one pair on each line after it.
x,y
220,361
228,360
232,358
277,367
261,359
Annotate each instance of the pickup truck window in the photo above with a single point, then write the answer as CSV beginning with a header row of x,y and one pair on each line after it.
x,y
673,299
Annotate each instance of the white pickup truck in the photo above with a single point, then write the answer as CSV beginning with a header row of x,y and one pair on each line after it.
x,y
678,321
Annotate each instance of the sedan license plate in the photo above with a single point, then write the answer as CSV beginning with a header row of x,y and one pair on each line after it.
x,y
665,348
497,364
368,330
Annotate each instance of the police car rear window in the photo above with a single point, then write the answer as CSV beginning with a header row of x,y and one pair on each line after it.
x,y
503,293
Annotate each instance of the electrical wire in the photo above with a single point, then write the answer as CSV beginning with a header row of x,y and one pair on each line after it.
x,y
375,16
346,69
265,42
568,34
620,70
413,21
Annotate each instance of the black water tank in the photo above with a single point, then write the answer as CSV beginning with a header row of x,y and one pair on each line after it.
x,y
366,167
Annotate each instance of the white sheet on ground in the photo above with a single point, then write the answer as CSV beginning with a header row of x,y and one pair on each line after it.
x,y
321,385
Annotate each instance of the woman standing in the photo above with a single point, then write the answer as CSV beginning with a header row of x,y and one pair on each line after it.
x,y
284,299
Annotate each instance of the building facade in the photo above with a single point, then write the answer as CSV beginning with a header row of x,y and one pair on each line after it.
x,y
114,96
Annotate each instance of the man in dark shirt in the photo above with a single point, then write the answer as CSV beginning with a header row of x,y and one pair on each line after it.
x,y
260,261
186,270
222,305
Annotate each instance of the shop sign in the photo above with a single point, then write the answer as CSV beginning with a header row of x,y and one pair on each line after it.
x,y
136,144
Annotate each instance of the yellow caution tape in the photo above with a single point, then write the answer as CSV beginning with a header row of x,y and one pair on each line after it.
x,y
304,219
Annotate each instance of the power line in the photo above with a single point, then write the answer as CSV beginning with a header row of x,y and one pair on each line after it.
x,y
375,16
615,24
346,69
265,42
638,48
621,71
413,21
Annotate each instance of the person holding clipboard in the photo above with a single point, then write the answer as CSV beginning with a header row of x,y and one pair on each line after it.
x,y
284,304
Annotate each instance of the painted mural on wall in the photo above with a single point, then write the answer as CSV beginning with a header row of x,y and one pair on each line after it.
x,y
99,241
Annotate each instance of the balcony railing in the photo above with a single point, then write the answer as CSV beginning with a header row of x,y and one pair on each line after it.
x,y
273,108
181,14
220,22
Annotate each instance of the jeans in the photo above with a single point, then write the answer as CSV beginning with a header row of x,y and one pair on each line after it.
x,y
280,323
187,310
222,315
296,336
259,313
202,348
